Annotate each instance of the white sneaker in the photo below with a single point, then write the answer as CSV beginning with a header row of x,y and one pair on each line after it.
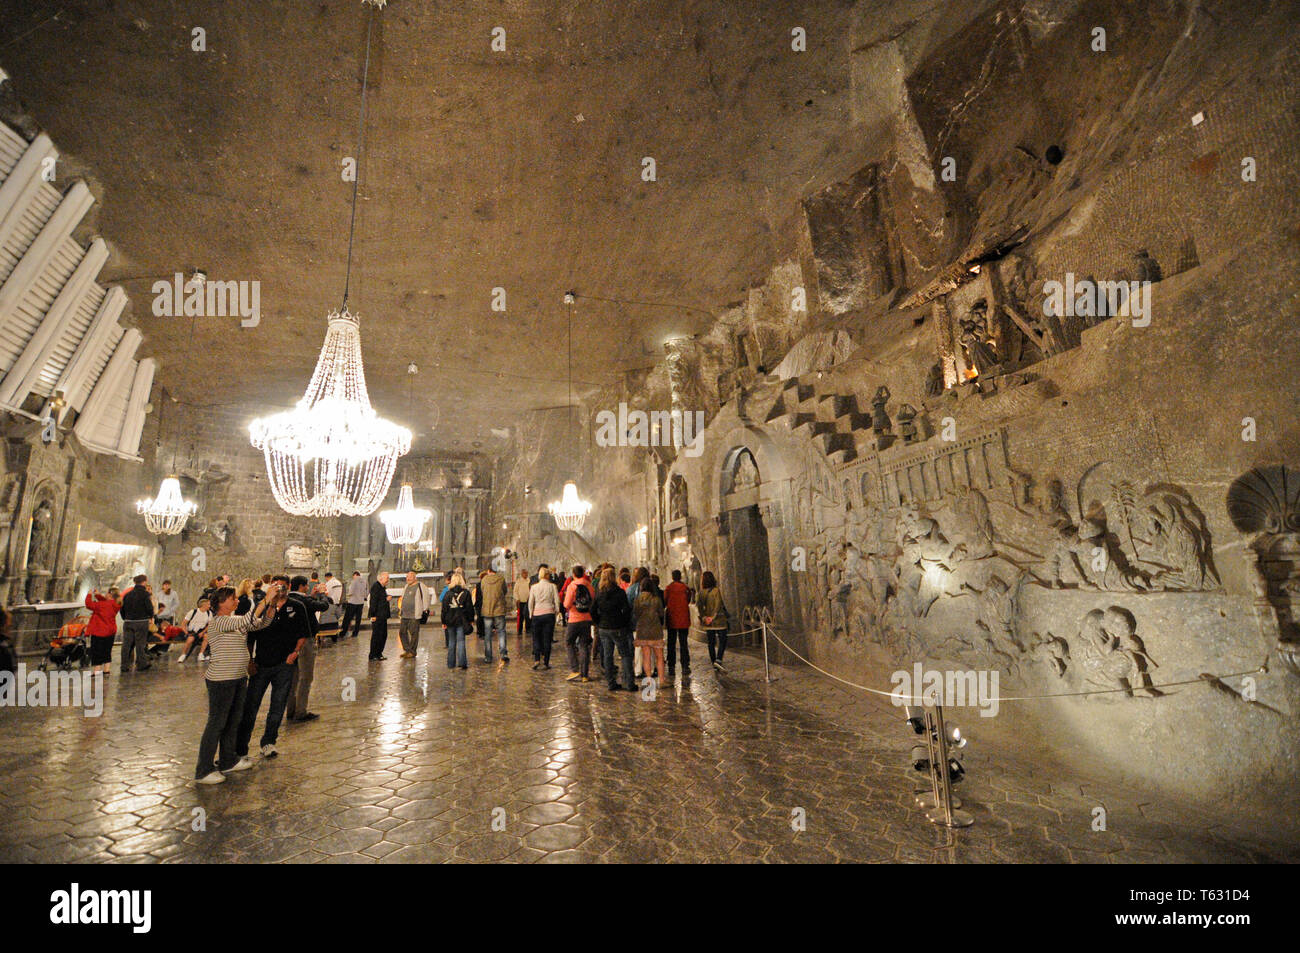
x,y
216,777
268,751
243,764
182,658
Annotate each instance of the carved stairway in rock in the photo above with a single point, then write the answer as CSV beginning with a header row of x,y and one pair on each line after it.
x,y
832,421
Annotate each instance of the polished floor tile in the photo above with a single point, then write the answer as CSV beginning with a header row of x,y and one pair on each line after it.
x,y
412,763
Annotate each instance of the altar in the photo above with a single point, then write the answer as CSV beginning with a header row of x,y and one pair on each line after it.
x,y
35,625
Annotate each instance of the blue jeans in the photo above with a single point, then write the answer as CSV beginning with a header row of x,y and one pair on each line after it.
x,y
279,678
456,646
497,622
623,639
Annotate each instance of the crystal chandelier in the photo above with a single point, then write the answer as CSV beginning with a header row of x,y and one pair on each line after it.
x,y
332,455
168,514
405,525
569,511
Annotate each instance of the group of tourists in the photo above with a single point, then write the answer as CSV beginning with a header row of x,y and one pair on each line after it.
x,y
257,637
261,635
621,610
143,615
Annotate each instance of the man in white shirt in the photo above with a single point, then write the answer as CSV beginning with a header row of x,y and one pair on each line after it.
x,y
357,591
169,603
333,587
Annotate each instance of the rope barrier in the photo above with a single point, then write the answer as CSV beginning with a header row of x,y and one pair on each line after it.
x,y
696,628
913,699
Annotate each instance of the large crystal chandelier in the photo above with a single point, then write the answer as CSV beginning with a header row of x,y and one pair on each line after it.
x,y
169,512
570,511
332,455
405,525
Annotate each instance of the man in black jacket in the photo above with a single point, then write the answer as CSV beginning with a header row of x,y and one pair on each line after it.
x,y
275,650
137,611
312,602
612,617
379,615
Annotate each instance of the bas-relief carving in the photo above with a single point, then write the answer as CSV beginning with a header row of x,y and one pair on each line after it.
x,y
1105,655
1113,655
876,572
744,474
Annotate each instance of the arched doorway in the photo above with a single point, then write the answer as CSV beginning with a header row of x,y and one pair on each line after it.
x,y
743,536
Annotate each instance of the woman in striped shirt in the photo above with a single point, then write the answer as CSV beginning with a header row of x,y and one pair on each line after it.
x,y
227,679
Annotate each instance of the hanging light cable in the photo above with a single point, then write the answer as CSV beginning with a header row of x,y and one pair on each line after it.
x,y
332,455
169,511
570,511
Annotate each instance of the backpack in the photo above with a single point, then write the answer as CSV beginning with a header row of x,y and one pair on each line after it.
x,y
455,608
582,600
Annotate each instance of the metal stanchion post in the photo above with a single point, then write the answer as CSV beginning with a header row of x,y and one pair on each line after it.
x,y
767,673
944,812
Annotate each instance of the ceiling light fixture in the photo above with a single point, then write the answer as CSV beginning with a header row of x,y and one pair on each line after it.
x,y
405,525
570,511
332,455
168,512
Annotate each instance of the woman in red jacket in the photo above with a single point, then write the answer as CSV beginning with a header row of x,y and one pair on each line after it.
x,y
102,627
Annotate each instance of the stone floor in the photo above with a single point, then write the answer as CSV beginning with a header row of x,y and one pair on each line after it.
x,y
511,764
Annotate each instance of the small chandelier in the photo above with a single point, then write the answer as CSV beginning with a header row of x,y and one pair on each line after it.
x,y
569,511
405,525
168,514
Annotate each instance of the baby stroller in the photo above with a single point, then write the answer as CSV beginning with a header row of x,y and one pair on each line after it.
x,y
68,648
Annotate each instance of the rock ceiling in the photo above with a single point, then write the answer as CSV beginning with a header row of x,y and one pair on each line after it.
x,y
518,170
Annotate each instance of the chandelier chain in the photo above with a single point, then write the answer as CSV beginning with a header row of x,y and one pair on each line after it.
x,y
356,177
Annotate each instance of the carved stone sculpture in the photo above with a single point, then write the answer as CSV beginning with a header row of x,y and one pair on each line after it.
x,y
1083,556
1175,542
907,423
1265,503
975,342
745,474
880,424
1148,269
1113,656
677,498
996,617
928,559
38,548
934,381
